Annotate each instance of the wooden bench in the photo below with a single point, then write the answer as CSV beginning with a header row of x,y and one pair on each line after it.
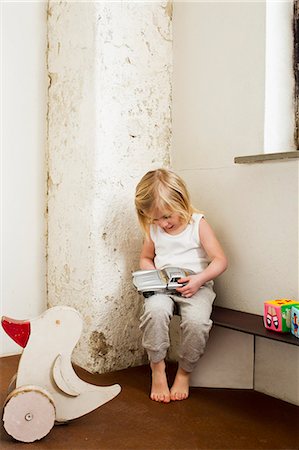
x,y
242,354
248,323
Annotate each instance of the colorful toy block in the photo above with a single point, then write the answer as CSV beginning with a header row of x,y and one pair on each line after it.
x,y
295,320
277,314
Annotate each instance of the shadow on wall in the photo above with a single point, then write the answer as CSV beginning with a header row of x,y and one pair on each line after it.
x,y
116,341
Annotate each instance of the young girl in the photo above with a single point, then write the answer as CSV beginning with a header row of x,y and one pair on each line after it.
x,y
176,235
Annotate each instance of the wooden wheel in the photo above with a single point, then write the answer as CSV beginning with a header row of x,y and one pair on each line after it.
x,y
29,413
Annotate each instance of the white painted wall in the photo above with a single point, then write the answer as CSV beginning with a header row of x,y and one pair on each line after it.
x,y
218,95
23,123
218,113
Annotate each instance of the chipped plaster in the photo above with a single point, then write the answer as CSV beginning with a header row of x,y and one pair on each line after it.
x,y
109,121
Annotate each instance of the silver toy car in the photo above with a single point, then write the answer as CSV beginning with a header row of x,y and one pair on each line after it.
x,y
150,282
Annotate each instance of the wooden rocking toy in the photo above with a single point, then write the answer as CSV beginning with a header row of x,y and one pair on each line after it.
x,y
46,389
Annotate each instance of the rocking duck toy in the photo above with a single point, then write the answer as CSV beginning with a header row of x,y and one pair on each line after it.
x,y
46,389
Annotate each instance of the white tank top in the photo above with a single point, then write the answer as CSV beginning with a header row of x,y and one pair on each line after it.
x,y
180,250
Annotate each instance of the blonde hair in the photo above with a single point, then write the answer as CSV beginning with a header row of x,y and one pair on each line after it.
x,y
164,190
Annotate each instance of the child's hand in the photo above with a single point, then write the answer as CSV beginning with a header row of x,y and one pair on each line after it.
x,y
192,286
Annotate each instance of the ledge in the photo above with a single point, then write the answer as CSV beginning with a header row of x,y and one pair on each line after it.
x,y
264,157
248,323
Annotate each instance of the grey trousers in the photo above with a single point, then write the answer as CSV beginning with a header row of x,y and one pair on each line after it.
x,y
195,325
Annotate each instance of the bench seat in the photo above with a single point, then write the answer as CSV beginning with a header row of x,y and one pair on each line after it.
x,y
248,323
242,354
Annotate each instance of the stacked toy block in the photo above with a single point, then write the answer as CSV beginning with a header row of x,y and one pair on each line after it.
x,y
295,320
282,315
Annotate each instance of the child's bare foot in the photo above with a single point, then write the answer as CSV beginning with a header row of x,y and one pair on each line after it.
x,y
180,388
160,390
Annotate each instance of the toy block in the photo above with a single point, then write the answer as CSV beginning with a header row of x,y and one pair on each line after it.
x,y
277,314
295,320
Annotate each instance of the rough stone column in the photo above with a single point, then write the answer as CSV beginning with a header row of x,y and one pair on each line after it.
x,y
109,122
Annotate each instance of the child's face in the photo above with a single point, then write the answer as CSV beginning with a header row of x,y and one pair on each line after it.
x,y
171,222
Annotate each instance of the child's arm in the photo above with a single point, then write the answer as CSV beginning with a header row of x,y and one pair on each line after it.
x,y
217,265
147,255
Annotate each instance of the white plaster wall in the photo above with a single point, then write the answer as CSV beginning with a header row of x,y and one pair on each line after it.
x,y
23,127
109,122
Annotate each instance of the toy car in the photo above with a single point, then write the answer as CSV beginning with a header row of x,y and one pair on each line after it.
x,y
150,282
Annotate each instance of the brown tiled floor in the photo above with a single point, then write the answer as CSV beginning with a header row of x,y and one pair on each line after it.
x,y
209,419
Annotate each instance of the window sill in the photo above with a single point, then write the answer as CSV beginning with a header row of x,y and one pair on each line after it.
x,y
252,159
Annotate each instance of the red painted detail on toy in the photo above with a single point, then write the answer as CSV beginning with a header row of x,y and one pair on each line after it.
x,y
18,330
